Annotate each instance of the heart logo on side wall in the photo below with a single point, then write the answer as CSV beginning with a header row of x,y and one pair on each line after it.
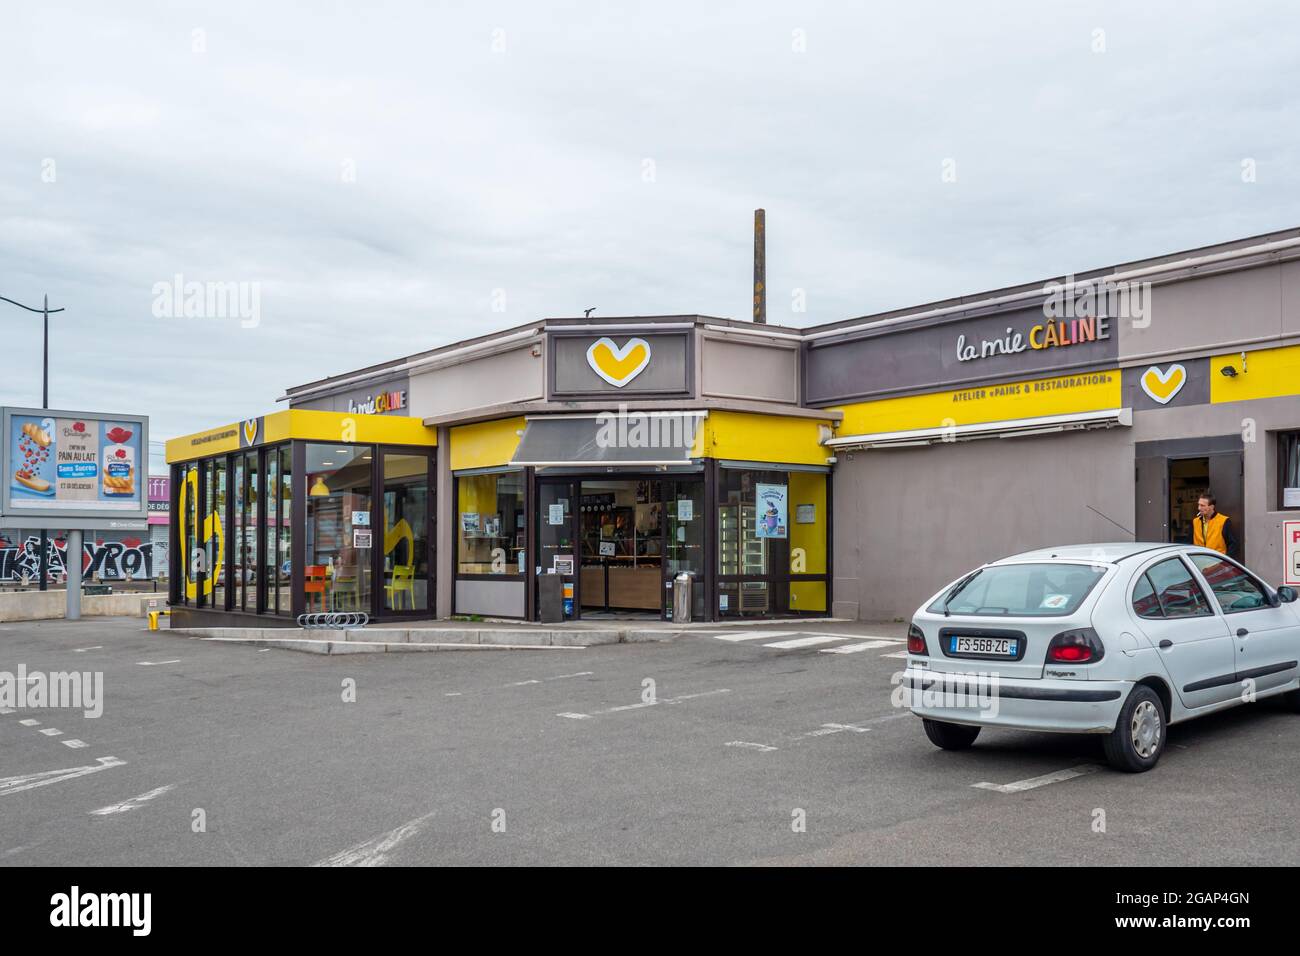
x,y
250,430
618,366
1163,386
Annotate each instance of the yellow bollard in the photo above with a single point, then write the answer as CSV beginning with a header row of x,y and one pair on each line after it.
x,y
153,619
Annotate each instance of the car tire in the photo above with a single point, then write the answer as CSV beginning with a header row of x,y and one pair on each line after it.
x,y
1291,699
949,736
1138,740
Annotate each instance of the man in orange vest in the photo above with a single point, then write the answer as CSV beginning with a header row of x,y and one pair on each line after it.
x,y
1213,530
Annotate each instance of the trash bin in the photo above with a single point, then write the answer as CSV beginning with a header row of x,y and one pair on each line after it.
x,y
682,585
550,599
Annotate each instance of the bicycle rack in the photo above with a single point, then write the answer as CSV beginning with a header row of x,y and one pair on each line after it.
x,y
333,619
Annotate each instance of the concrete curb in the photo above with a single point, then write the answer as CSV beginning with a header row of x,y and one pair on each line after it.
x,y
383,640
376,647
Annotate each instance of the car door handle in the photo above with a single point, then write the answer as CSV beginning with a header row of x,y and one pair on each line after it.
x,y
1166,644
1242,632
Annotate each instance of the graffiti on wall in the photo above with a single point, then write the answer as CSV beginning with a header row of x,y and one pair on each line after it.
x,y
110,560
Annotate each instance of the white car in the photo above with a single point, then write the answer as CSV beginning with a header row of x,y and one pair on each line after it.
x,y
1114,639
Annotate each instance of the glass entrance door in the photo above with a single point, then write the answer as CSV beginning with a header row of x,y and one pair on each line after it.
x,y
685,529
557,538
621,534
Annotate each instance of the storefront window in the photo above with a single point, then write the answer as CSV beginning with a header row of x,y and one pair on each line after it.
x,y
275,548
406,534
280,530
215,544
772,538
337,573
1288,456
249,537
490,525
808,539
187,590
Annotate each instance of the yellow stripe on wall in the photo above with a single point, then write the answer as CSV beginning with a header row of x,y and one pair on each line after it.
x,y
485,444
1032,398
748,436
1269,373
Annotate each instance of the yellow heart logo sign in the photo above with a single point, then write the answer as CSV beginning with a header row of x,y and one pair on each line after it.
x,y
618,366
250,430
1163,386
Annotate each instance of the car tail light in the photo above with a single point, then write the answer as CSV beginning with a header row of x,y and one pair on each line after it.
x,y
1079,646
916,641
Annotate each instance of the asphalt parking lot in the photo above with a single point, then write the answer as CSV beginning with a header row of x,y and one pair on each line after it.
x,y
738,753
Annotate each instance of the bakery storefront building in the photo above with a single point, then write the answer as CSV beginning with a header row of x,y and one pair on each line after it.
x,y
611,455
848,469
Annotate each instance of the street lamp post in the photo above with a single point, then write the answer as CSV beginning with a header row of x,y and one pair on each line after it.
x,y
45,311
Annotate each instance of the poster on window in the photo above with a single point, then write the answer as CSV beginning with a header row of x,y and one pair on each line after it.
x,y
771,510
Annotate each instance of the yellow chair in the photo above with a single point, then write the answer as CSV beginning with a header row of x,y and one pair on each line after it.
x,y
403,582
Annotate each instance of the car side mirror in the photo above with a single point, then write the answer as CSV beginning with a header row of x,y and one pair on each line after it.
x,y
1286,594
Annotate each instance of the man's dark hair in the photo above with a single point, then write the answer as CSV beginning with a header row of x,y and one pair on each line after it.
x,y
1207,496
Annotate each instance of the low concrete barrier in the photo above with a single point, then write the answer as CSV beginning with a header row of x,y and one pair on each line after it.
x,y
52,605
384,640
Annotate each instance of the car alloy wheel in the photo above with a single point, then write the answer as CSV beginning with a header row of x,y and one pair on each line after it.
x,y
1136,743
1146,729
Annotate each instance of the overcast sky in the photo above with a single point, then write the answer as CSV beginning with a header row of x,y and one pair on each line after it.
x,y
399,175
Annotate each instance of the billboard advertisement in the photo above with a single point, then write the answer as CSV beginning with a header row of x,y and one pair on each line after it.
x,y
74,469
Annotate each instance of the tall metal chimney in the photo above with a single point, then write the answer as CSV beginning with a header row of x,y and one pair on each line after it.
x,y
760,266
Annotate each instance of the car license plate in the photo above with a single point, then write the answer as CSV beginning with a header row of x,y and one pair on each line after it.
x,y
994,646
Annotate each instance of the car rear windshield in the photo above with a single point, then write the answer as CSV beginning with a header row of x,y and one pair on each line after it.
x,y
1021,590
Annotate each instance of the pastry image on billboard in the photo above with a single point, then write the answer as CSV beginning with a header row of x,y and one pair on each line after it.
x,y
37,434
30,455
119,463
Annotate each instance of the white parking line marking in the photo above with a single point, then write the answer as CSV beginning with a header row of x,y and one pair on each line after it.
x,y
74,743
762,748
52,732
838,729
375,852
1021,785
7,710
523,683
133,803
752,635
156,663
82,650
30,781
855,648
901,655
29,722
454,693
806,641
663,700
644,704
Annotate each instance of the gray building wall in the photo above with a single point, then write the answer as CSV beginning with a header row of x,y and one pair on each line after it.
x,y
1249,308
1260,419
909,520
747,367
497,379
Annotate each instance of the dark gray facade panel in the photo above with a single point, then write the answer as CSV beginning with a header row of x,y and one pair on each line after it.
x,y
927,358
669,372
1195,389
580,440
358,399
